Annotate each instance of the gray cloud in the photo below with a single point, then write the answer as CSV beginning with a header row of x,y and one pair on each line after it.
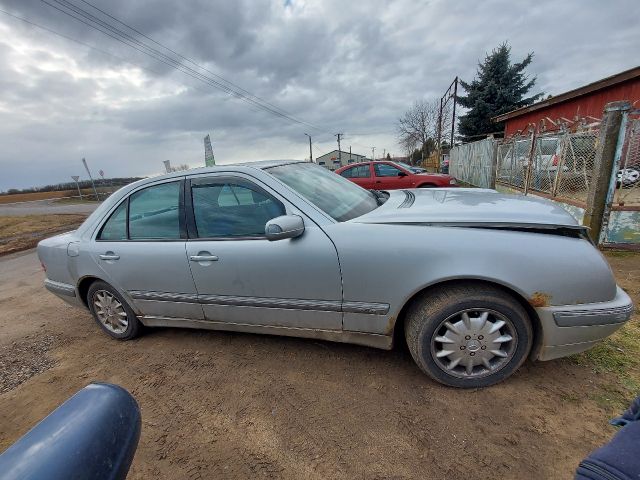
x,y
352,67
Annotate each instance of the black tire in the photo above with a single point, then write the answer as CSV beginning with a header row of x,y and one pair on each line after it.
x,y
425,324
133,327
427,185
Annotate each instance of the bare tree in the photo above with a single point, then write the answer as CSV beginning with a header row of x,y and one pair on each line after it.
x,y
418,125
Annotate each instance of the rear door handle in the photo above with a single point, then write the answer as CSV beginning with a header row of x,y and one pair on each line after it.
x,y
109,256
203,258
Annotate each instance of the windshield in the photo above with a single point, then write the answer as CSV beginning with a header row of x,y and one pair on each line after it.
x,y
331,193
411,168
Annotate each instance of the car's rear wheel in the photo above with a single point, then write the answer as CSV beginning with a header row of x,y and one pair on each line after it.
x,y
112,312
468,336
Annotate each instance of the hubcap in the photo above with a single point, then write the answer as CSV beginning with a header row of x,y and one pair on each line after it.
x,y
474,343
110,311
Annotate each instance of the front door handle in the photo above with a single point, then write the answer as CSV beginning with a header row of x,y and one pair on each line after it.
x,y
203,258
378,181
109,256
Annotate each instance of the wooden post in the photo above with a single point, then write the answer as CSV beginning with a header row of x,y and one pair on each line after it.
x,y
493,172
603,167
532,152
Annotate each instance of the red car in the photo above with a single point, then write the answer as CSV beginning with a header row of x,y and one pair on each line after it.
x,y
387,175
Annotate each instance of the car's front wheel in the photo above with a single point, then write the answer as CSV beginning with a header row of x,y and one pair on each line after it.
x,y
112,312
468,335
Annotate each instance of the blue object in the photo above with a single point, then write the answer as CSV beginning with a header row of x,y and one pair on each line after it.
x,y
93,435
631,414
620,458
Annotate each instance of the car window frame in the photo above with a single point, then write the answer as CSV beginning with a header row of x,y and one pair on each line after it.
x,y
192,230
389,165
182,221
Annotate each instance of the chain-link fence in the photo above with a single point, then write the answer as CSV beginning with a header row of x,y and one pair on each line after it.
x,y
473,163
628,175
559,164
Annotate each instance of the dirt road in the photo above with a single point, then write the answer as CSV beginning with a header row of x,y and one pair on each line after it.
x,y
46,207
224,405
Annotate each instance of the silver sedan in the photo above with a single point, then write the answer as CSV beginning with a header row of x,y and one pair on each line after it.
x,y
474,281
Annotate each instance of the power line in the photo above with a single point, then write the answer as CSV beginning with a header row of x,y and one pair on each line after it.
x,y
79,42
190,60
105,28
157,55
76,13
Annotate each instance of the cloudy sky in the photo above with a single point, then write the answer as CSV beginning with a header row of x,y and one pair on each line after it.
x,y
339,66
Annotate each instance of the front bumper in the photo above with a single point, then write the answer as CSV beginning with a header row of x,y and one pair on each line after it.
x,y
569,329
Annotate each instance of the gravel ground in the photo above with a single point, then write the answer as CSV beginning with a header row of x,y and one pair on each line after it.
x,y
23,359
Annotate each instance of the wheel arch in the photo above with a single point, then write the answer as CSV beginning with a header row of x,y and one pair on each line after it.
x,y
85,282
536,325
83,287
427,185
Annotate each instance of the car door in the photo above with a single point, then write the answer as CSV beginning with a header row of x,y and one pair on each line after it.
x,y
360,175
243,278
390,177
141,251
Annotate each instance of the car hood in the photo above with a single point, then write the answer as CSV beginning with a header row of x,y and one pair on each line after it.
x,y
468,206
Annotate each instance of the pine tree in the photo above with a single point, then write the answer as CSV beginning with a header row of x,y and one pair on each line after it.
x,y
499,87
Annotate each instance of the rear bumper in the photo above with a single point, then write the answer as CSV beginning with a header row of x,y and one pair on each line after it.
x,y
65,291
569,329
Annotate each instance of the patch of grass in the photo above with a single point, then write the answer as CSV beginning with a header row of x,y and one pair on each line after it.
x,y
618,359
620,253
23,232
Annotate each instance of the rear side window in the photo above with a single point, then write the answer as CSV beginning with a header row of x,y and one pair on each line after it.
x,y
154,213
230,209
116,227
361,171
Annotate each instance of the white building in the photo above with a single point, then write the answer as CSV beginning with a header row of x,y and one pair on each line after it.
x,y
336,159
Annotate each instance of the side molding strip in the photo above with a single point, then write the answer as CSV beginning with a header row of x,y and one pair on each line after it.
x,y
265,302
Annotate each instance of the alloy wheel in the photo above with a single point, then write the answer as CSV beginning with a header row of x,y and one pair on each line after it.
x,y
474,343
110,311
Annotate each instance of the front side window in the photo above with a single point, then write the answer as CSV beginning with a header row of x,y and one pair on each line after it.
x,y
154,213
335,195
232,208
385,170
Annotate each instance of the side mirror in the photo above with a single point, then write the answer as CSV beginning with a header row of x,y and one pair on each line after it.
x,y
402,174
286,226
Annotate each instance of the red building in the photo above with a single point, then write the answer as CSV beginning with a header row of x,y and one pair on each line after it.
x,y
583,105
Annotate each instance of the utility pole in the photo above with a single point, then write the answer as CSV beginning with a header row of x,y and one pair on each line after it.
x,y
75,179
339,149
349,153
310,151
92,183
373,153
453,119
384,153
